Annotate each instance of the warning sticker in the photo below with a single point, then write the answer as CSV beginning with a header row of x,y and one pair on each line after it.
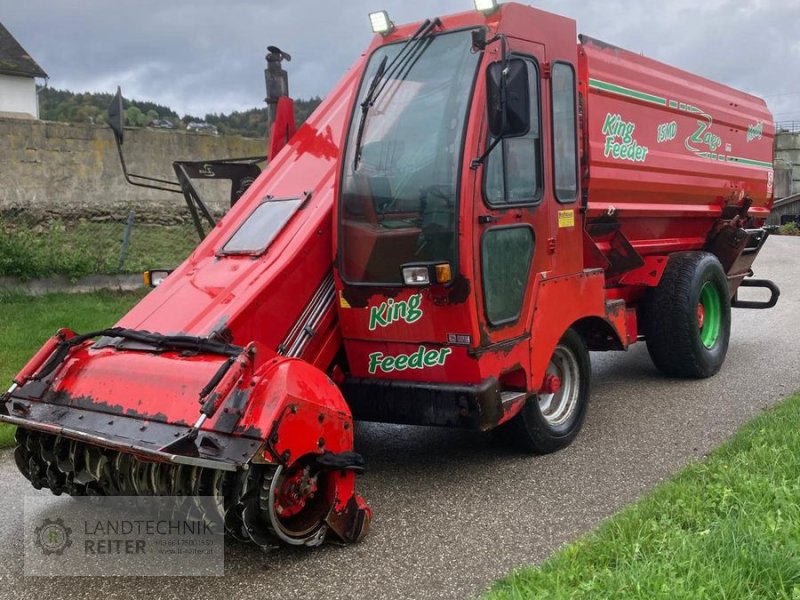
x,y
342,302
566,218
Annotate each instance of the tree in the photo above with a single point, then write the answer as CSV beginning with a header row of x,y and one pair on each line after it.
x,y
135,117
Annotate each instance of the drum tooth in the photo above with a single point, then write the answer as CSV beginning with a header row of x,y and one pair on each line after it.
x,y
56,480
233,509
22,459
83,470
47,443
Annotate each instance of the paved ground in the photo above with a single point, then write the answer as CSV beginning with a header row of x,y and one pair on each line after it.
x,y
455,511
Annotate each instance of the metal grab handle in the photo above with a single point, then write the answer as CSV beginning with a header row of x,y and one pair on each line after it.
x,y
775,293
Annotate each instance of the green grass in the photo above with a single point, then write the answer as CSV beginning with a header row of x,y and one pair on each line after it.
x,y
27,322
85,248
788,229
727,527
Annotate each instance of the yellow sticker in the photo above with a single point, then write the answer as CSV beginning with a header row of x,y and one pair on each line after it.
x,y
342,302
566,218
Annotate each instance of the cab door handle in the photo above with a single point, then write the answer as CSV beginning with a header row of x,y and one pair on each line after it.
x,y
486,219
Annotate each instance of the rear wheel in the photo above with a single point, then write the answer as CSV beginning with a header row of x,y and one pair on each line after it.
x,y
551,419
686,319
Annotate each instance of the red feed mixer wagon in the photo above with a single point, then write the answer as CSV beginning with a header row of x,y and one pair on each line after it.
x,y
474,207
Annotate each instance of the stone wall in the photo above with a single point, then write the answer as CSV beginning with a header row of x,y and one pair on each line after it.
x,y
62,170
787,157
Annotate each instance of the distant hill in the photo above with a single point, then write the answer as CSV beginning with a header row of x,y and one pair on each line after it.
x,y
90,107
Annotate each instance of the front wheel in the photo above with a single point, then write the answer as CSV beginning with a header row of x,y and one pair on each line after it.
x,y
551,419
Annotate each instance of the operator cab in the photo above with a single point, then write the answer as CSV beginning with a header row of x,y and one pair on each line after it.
x,y
402,163
458,185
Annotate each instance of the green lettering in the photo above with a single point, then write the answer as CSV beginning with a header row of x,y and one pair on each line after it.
x,y
414,310
419,359
627,134
399,311
415,360
374,360
431,358
609,126
609,145
443,353
377,316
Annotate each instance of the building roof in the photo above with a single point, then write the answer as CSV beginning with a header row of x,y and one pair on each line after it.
x,y
14,60
786,201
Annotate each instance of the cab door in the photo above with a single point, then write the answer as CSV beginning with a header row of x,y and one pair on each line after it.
x,y
511,245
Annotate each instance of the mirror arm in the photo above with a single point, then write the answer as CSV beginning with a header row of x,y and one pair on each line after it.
x,y
129,177
476,162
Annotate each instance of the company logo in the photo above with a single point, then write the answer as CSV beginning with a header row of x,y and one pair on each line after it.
x,y
620,142
755,132
52,537
389,312
703,136
206,170
420,359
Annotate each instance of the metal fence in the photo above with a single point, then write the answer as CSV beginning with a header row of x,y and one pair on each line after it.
x,y
787,126
33,245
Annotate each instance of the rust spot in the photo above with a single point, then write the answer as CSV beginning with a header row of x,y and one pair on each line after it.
x,y
358,296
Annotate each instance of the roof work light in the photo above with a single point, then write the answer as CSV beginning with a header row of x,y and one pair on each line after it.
x,y
486,7
381,23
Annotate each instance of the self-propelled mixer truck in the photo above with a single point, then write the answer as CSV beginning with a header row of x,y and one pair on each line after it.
x,y
474,207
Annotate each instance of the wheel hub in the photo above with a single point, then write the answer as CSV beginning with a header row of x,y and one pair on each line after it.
x,y
558,397
297,489
552,384
709,314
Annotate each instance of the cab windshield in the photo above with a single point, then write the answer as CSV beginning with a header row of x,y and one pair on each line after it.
x,y
400,178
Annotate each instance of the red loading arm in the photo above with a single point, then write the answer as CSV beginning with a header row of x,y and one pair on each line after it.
x,y
280,106
283,127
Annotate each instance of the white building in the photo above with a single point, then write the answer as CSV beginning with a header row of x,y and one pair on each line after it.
x,y
18,74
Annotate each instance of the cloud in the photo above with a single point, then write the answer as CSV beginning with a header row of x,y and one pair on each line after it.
x,y
201,56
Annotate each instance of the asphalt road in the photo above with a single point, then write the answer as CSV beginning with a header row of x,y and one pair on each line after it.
x,y
454,511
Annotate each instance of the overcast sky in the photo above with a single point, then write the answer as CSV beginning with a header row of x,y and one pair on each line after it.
x,y
200,56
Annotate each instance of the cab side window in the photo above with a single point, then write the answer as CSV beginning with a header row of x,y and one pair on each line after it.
x,y
565,159
513,173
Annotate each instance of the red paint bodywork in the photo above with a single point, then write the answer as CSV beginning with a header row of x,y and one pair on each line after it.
x,y
668,204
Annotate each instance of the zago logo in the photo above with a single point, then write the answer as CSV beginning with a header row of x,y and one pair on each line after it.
x,y
390,312
420,359
703,136
619,140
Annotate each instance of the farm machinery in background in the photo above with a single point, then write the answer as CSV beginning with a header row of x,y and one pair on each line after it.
x,y
474,207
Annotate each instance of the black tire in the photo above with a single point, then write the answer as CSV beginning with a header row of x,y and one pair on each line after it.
x,y
671,317
533,432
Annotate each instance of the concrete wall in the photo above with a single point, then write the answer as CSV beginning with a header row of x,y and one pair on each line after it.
x,y
66,170
18,95
787,155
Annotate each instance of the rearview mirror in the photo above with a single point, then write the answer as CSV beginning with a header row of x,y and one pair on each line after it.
x,y
116,115
508,98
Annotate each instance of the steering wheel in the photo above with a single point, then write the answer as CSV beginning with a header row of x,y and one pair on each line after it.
x,y
436,202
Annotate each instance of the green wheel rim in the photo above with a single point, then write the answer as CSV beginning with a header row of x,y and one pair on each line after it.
x,y
709,314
